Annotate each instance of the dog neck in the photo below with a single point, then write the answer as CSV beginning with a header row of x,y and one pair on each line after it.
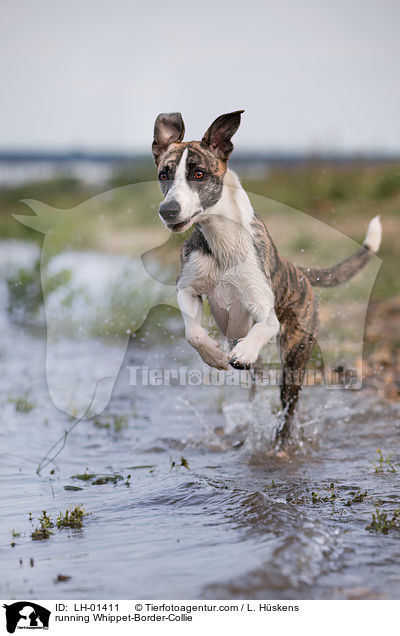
x,y
227,226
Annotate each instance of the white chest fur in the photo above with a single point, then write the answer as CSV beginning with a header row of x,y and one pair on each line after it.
x,y
239,293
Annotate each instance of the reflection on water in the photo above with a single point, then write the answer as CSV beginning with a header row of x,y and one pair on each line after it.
x,y
238,521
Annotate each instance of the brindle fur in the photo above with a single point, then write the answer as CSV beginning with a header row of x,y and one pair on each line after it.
x,y
294,301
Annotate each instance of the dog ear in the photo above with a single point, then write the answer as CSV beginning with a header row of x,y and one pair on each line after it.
x,y
218,136
169,128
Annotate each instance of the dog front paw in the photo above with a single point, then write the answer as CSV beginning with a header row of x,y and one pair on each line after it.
x,y
210,351
236,364
213,355
243,354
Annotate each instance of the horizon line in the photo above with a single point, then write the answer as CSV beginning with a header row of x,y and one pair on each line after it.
x,y
247,155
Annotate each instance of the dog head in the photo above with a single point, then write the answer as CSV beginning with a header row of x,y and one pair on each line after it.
x,y
191,173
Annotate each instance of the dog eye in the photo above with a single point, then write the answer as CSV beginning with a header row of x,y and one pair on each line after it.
x,y
198,174
163,176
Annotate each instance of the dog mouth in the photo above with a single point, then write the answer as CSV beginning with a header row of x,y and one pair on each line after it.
x,y
183,225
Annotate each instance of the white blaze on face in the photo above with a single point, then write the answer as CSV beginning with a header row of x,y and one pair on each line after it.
x,y
181,191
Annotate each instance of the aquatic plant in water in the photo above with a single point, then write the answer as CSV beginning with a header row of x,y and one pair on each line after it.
x,y
382,523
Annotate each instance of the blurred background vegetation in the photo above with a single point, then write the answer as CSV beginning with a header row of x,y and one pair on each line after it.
x,y
345,194
119,219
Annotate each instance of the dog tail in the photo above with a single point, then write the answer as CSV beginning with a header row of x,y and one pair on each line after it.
x,y
342,272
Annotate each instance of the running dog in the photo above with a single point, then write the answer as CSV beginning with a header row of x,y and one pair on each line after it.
x,y
255,295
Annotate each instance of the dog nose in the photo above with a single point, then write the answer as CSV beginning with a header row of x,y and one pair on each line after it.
x,y
169,210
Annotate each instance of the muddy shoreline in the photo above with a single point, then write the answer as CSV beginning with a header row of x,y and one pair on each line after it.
x,y
381,359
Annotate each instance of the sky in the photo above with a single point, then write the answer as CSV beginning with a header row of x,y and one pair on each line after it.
x,y
92,75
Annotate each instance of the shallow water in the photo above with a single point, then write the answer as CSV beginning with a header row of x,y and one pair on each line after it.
x,y
239,521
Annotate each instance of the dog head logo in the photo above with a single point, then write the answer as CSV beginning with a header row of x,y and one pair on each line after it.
x,y
109,297
84,387
26,615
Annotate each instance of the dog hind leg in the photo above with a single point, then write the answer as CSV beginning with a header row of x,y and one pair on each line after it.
x,y
296,343
294,362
